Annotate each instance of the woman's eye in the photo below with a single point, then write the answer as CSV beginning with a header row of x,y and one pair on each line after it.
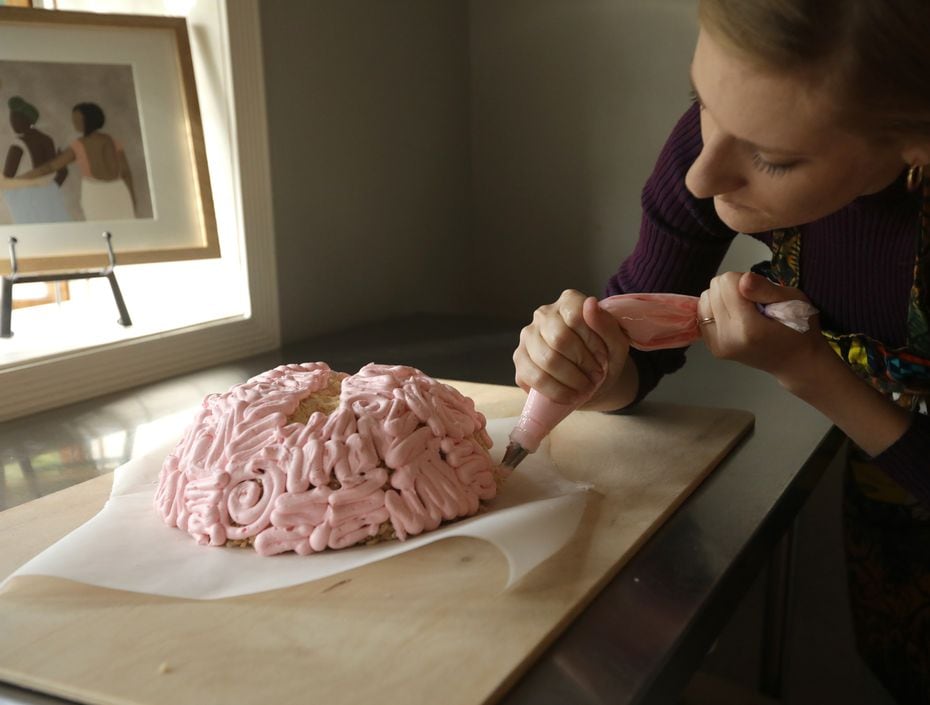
x,y
693,97
770,168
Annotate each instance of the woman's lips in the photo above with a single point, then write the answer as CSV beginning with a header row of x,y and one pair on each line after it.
x,y
736,206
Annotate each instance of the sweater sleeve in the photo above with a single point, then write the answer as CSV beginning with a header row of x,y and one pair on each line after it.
x,y
907,460
681,242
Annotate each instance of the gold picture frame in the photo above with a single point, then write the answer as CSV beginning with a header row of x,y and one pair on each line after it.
x,y
102,134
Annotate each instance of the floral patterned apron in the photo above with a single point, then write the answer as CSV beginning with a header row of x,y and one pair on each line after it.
x,y
886,530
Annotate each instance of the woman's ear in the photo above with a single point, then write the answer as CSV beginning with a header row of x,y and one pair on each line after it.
x,y
916,154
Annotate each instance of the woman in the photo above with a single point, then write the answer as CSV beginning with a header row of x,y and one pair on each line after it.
x,y
33,202
811,133
106,181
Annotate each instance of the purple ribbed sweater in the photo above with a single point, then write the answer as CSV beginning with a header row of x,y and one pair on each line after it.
x,y
856,267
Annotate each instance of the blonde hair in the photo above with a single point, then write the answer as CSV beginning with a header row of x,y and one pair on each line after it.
x,y
874,55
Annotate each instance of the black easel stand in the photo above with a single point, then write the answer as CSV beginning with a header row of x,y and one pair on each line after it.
x,y
6,312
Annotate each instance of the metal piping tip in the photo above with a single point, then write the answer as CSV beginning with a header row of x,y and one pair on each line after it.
x,y
514,455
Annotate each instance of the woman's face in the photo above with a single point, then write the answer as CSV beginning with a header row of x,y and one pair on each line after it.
x,y
773,156
77,119
19,122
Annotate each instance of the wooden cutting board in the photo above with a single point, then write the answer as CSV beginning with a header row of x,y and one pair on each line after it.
x,y
432,625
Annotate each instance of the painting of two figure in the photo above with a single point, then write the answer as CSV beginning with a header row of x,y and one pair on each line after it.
x,y
71,145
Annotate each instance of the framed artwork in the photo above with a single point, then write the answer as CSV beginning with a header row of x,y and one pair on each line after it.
x,y
101,132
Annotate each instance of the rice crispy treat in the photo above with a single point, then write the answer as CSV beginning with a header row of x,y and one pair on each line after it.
x,y
303,458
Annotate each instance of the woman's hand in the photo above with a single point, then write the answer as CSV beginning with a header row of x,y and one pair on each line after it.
x,y
739,332
573,352
803,363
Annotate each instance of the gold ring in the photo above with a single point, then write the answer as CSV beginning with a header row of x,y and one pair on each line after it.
x,y
705,321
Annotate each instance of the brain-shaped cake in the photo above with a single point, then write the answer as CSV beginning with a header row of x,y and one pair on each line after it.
x,y
302,458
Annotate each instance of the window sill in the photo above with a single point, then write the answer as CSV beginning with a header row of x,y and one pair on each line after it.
x,y
155,303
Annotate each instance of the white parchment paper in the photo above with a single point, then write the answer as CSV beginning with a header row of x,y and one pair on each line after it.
x,y
127,546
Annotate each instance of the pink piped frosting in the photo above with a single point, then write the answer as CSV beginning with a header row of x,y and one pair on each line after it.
x,y
400,447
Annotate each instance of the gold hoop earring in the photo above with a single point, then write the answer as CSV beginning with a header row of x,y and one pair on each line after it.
x,y
915,177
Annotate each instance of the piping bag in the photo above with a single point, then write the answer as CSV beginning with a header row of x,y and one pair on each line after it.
x,y
651,322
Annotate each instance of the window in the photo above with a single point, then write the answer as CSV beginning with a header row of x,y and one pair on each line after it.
x,y
186,314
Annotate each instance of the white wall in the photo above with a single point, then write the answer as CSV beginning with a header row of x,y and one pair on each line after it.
x,y
368,118
571,103
473,156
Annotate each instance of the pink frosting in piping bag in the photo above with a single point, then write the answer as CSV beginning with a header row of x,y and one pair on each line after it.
x,y
655,321
651,322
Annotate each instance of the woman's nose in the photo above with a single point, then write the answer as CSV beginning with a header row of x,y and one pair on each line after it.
x,y
714,172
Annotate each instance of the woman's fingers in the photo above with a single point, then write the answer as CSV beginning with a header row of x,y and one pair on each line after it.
x,y
570,339
559,354
720,306
615,342
704,310
742,334
529,375
725,299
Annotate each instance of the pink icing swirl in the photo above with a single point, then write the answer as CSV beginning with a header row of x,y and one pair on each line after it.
x,y
399,447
